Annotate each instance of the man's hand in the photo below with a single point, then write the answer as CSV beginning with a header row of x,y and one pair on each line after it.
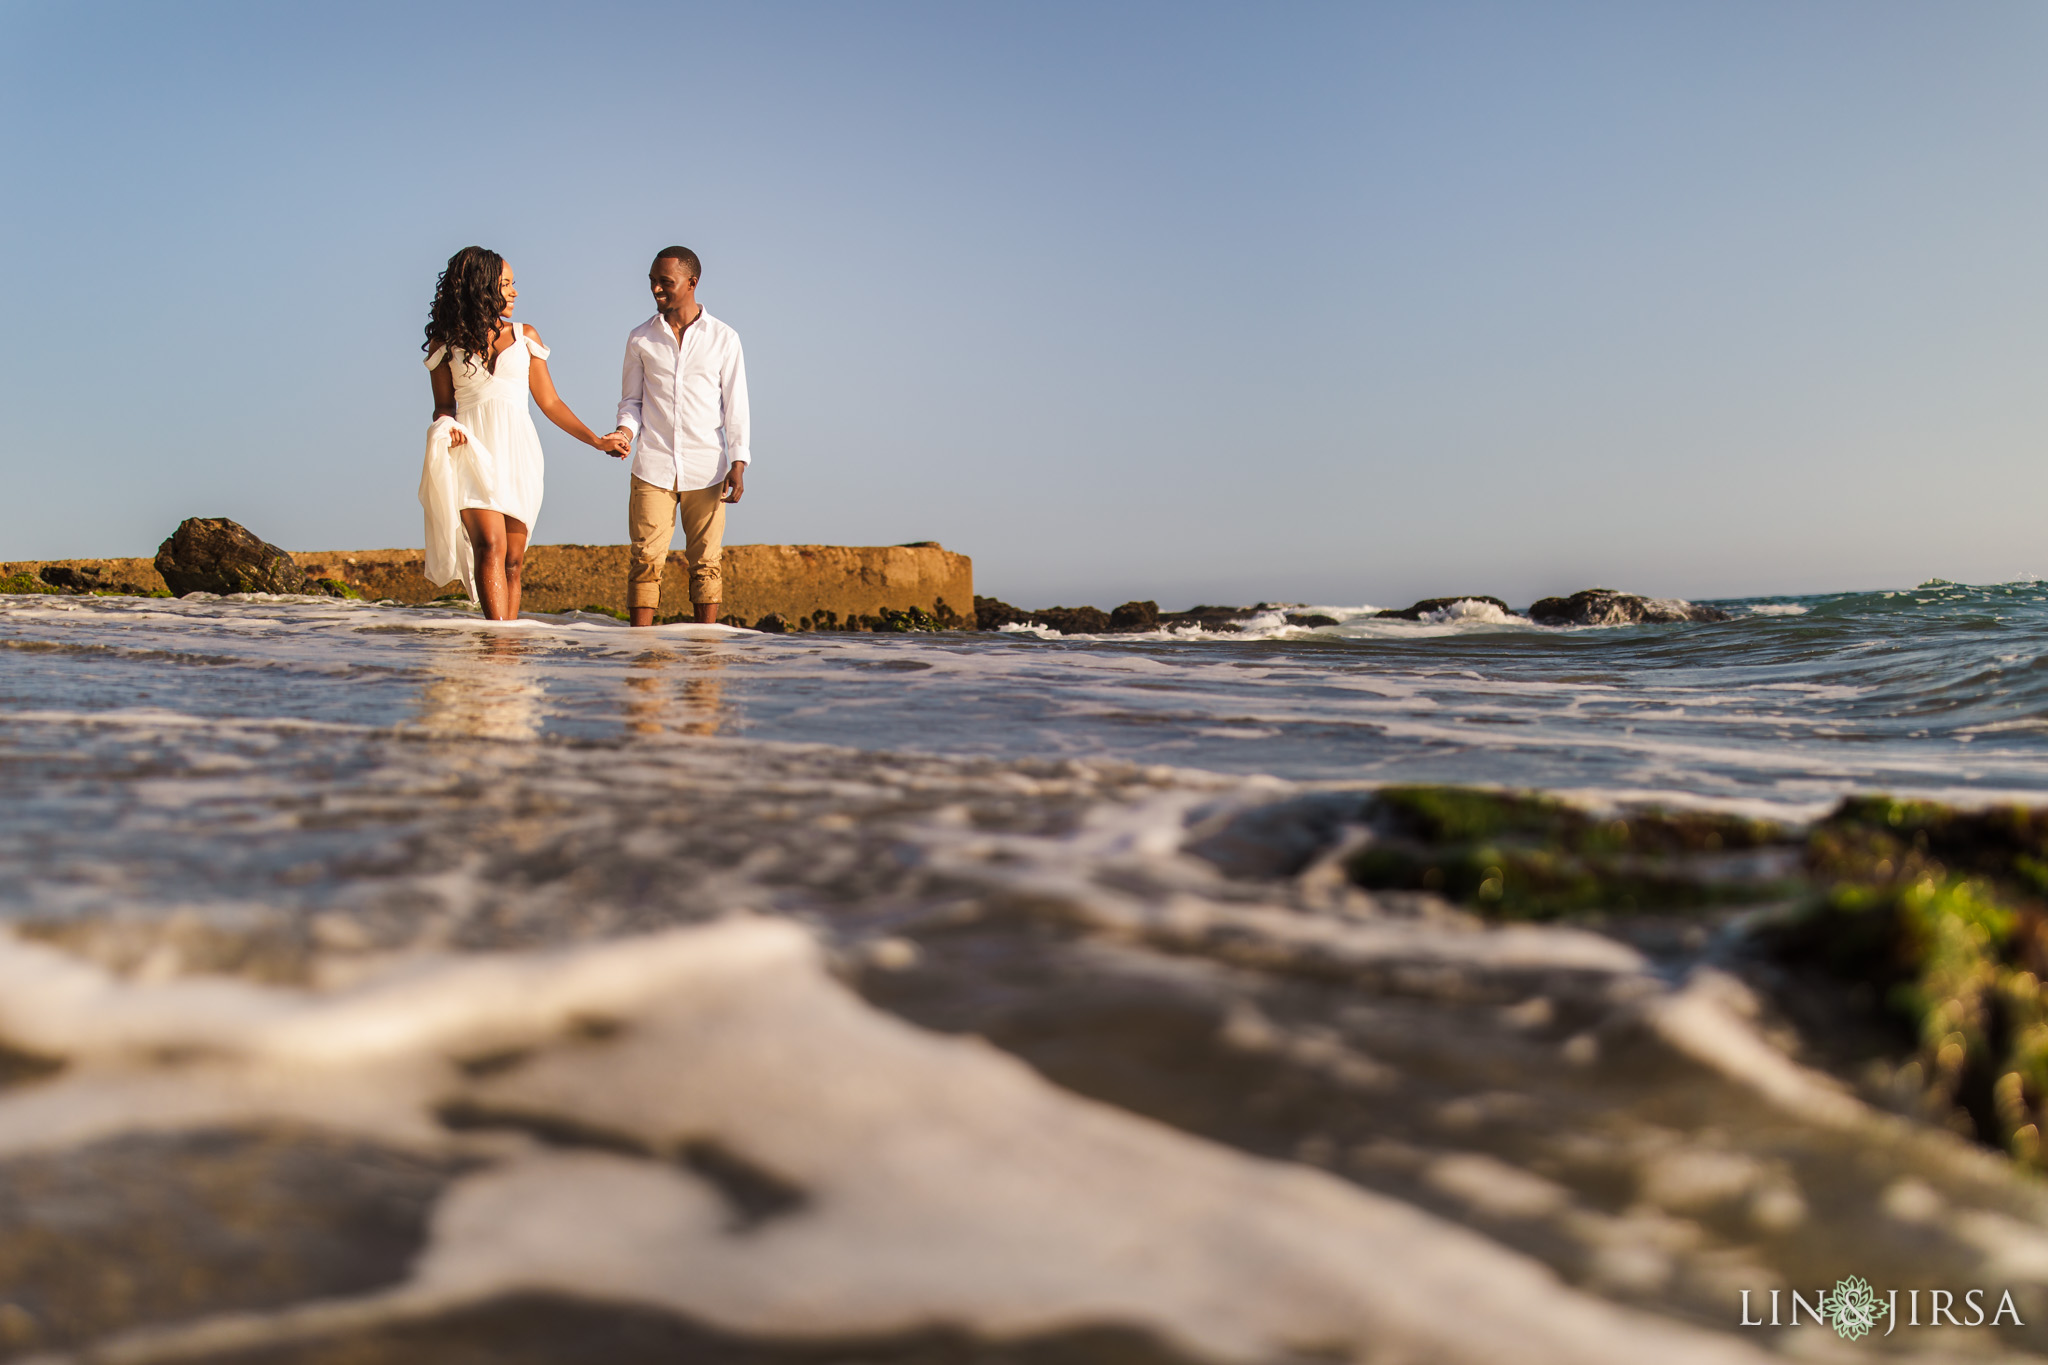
x,y
735,483
620,442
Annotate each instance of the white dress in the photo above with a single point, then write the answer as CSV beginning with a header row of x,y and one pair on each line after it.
x,y
499,468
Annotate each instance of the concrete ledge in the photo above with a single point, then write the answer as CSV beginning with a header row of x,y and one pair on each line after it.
x,y
808,586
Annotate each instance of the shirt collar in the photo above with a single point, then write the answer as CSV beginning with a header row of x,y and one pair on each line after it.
x,y
657,321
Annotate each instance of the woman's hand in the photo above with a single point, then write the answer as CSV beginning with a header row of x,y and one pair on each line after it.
x,y
618,444
456,438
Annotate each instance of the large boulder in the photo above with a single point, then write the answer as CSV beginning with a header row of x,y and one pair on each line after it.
x,y
213,554
1429,606
1135,616
1606,607
1073,620
992,613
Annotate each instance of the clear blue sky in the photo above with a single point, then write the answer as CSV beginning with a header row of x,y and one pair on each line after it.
x,y
1336,303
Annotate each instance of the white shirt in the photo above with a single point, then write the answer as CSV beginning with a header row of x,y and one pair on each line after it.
x,y
685,401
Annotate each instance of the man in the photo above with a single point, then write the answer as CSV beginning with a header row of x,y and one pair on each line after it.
x,y
684,397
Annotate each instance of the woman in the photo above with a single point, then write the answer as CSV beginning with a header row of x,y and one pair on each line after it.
x,y
483,454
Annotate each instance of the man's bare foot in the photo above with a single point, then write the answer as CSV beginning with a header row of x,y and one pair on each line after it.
x,y
641,616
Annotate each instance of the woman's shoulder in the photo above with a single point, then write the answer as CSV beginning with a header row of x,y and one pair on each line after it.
x,y
533,341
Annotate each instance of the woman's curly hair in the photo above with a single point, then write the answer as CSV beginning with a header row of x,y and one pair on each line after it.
x,y
468,305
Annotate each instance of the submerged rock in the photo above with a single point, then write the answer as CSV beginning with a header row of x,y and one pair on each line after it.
x,y
1073,620
1224,620
1429,606
1606,607
1938,916
1132,617
1929,921
1521,856
257,1217
993,614
214,554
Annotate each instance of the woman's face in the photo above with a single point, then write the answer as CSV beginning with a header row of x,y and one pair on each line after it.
x,y
507,287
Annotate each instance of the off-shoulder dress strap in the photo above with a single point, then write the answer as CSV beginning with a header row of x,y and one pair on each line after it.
x,y
532,343
435,359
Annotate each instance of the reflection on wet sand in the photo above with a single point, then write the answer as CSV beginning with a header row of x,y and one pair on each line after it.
x,y
656,705
486,692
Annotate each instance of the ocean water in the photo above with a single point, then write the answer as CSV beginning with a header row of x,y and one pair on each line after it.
x,y
806,990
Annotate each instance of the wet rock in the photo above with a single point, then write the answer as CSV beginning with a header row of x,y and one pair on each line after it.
x,y
332,587
214,554
1523,856
1312,620
1073,620
1935,916
1430,605
1928,923
1606,607
161,1228
993,614
1223,620
71,580
772,624
547,1329
77,579
903,622
1135,616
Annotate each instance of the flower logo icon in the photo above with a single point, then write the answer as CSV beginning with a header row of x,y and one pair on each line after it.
x,y
1853,1308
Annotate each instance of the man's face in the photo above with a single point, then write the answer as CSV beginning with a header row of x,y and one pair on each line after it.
x,y
670,280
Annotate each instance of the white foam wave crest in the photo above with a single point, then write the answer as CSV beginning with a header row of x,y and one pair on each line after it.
x,y
936,1179
1299,622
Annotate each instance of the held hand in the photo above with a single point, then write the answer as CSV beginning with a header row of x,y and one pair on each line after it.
x,y
456,438
621,442
735,483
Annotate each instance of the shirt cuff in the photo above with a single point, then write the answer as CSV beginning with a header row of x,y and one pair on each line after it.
x,y
737,455
626,420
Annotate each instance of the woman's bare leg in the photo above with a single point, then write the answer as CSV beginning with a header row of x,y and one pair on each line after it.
x,y
487,538
515,560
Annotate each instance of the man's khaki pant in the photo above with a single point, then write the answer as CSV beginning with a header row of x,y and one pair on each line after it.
x,y
651,517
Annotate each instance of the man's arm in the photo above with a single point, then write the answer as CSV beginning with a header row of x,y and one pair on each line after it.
x,y
632,389
732,385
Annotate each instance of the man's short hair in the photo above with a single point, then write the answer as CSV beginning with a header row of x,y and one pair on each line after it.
x,y
683,254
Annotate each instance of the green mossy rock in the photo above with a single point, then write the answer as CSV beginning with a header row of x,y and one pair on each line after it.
x,y
1523,856
1940,914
